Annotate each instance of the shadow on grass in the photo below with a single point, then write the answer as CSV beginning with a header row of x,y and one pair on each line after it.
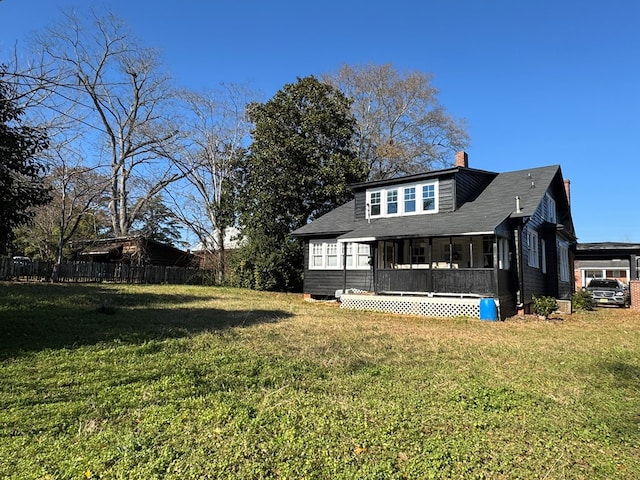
x,y
34,317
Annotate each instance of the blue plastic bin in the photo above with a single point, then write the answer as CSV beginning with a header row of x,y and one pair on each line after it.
x,y
488,310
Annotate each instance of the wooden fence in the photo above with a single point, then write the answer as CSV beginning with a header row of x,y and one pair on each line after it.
x,y
87,272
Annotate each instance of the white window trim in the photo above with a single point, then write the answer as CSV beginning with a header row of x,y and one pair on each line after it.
x,y
551,213
323,249
400,199
563,257
533,249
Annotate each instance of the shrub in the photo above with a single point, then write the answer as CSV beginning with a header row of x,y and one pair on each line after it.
x,y
581,301
544,306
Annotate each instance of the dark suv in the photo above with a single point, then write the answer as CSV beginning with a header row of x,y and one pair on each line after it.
x,y
607,291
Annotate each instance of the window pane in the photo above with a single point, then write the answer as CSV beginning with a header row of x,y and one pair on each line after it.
x,y
410,199
332,254
375,203
392,201
316,254
428,197
363,255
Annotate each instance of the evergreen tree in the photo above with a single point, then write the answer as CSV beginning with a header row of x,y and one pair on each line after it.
x,y
300,164
21,183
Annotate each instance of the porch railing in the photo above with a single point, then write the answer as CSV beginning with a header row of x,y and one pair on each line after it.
x,y
479,281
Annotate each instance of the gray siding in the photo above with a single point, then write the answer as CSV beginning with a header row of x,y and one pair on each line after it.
x,y
361,205
469,185
446,189
326,282
534,279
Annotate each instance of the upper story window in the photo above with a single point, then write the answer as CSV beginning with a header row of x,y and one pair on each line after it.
x,y
409,199
392,201
428,197
550,209
403,200
375,203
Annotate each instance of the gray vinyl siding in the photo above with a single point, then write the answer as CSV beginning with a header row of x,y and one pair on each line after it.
x,y
326,282
535,282
361,205
469,185
446,192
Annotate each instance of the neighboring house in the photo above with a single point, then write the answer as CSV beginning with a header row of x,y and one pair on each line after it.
x,y
620,261
454,231
207,259
133,250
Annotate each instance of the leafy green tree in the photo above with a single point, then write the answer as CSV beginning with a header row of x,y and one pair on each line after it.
x,y
300,164
21,182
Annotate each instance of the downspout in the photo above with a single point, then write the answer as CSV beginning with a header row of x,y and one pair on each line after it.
x,y
496,266
344,266
520,293
411,254
430,281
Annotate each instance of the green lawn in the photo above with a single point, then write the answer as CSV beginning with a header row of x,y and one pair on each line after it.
x,y
112,381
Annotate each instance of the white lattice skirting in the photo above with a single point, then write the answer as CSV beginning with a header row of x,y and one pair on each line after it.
x,y
414,305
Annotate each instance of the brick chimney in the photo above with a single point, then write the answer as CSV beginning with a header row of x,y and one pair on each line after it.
x,y
567,189
462,159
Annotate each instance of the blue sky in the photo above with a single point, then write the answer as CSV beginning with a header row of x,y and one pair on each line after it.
x,y
539,82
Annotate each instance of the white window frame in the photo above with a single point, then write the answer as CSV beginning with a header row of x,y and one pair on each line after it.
x,y
392,199
563,257
328,254
374,198
409,195
396,195
551,213
533,246
423,198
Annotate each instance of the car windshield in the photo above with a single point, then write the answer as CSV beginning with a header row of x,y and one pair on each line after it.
x,y
604,283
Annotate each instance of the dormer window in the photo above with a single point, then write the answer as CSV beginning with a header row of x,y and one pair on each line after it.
x,y
375,203
428,198
392,202
409,199
403,200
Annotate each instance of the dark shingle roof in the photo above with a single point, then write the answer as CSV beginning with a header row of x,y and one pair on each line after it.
x,y
337,221
494,205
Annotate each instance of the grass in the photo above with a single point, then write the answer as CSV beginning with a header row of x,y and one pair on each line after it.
x,y
114,381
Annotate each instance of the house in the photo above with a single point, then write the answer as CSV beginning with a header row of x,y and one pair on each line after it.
x,y
620,261
133,250
209,257
456,232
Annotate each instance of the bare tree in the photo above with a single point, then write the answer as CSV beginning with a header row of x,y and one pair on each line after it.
x,y
77,197
106,81
80,192
402,128
217,131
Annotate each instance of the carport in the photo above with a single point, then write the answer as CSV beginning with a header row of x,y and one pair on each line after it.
x,y
608,255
